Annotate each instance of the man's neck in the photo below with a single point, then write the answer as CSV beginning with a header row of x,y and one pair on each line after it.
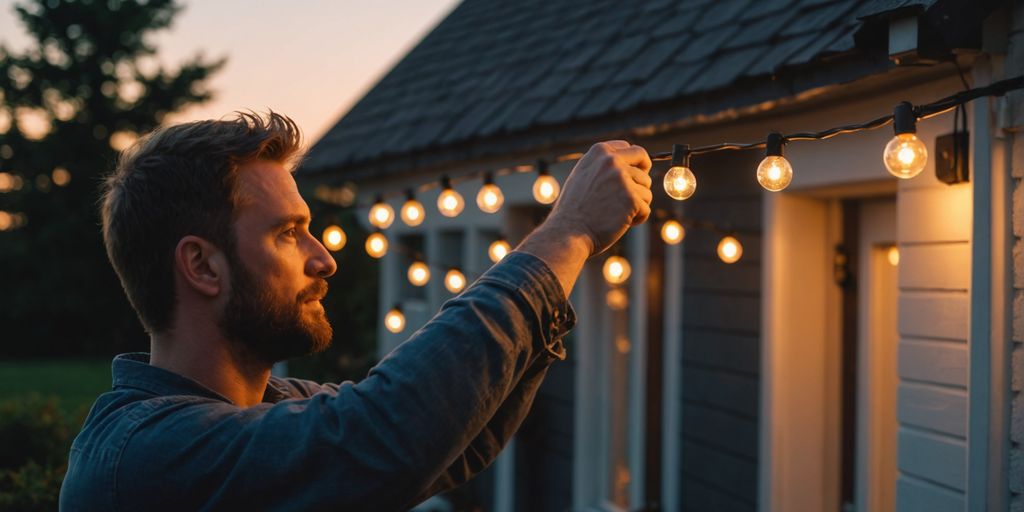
x,y
215,363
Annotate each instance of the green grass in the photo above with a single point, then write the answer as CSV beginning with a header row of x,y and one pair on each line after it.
x,y
75,383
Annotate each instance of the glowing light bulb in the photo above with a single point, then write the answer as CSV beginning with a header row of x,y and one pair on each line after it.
x,y
334,238
616,270
394,320
774,173
893,255
680,183
617,299
377,245
905,156
418,273
730,250
545,189
450,202
498,250
412,212
490,198
672,232
454,281
381,215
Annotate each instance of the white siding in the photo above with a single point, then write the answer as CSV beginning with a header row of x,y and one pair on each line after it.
x,y
934,231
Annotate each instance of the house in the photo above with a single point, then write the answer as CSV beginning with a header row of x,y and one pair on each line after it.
x,y
865,351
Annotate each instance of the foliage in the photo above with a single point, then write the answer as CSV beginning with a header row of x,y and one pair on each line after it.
x,y
33,457
88,81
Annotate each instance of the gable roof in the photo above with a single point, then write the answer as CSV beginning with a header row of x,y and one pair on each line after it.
x,y
496,70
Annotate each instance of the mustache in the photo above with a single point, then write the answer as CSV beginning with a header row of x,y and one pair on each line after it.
x,y
317,290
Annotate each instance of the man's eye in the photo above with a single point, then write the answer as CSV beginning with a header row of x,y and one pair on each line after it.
x,y
290,232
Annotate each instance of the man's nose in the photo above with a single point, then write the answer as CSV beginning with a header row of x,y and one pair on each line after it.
x,y
321,264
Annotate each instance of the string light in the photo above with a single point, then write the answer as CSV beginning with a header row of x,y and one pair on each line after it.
x,y
498,250
377,244
489,199
450,202
412,210
905,155
730,250
334,238
616,269
381,214
394,320
545,188
454,280
774,173
893,255
680,183
617,299
672,232
419,273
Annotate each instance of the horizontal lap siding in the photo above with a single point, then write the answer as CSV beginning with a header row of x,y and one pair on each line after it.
x,y
721,342
934,307
544,444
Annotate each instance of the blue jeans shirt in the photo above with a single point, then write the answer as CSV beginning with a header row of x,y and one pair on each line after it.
x,y
432,414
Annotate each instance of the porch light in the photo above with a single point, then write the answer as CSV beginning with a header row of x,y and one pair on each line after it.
x,y
450,202
489,198
334,238
730,250
680,183
545,188
454,280
774,173
905,155
377,244
412,210
394,320
498,250
616,269
381,214
419,273
672,232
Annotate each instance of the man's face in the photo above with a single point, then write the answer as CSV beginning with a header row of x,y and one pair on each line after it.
x,y
277,271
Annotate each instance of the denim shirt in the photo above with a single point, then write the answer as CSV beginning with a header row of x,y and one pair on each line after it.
x,y
433,413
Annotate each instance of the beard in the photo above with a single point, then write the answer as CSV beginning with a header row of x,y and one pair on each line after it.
x,y
271,328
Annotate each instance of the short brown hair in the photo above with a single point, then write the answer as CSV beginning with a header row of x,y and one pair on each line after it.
x,y
177,181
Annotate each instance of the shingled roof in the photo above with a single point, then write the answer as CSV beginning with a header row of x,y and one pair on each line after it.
x,y
497,71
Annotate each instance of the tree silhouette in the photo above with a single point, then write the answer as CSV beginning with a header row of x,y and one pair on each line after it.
x,y
85,87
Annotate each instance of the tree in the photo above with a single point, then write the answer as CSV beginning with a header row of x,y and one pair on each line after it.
x,y
81,91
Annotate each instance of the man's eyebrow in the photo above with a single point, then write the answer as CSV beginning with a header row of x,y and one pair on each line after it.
x,y
291,219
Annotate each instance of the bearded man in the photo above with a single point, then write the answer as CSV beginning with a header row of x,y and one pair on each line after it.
x,y
206,229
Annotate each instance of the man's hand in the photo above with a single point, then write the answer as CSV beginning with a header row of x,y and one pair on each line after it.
x,y
608,191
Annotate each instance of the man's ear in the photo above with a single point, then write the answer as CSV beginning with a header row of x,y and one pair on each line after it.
x,y
202,266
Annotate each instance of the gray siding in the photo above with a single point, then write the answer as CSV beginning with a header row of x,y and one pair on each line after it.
x,y
721,332
544,445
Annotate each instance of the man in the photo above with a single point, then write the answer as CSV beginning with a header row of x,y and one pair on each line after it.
x,y
206,229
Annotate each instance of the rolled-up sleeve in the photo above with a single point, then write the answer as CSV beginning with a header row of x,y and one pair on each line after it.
x,y
432,413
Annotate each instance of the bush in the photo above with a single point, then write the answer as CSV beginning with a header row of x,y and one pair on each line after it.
x,y
35,437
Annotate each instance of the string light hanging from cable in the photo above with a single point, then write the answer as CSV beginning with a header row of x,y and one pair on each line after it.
x,y
449,202
377,244
419,273
489,199
454,280
334,238
679,182
381,213
412,212
774,172
729,249
394,320
498,250
905,155
616,269
672,232
545,187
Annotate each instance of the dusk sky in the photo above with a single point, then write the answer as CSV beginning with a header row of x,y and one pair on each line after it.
x,y
310,59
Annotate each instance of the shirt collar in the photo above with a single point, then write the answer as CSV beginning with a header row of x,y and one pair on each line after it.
x,y
133,370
